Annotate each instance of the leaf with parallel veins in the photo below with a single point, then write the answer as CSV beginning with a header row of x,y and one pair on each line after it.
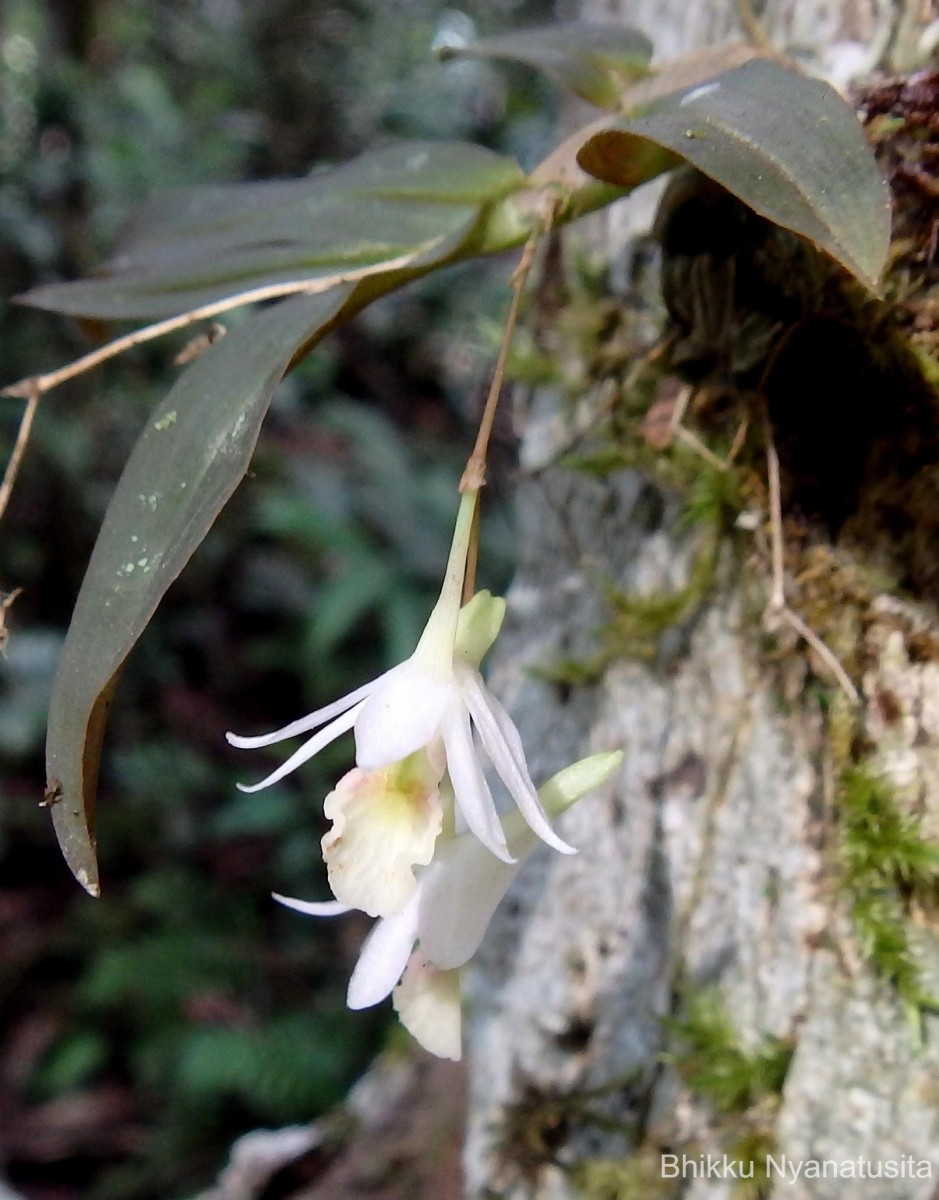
x,y
386,210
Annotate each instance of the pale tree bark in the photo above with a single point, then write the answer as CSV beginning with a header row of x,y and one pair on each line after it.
x,y
711,873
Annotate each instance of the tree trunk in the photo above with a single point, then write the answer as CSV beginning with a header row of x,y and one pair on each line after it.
x,y
713,974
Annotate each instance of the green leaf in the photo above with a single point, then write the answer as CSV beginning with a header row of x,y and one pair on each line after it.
x,y
787,146
189,459
593,61
391,208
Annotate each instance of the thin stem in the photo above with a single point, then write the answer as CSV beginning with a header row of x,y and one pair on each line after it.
x,y
739,438
827,656
778,597
474,474
752,27
681,407
777,604
19,449
694,442
685,435
5,602
271,291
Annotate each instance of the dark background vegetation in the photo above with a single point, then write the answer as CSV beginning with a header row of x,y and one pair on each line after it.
x,y
142,1032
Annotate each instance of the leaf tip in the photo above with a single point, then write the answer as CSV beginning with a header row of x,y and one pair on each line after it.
x,y
77,844
91,885
84,867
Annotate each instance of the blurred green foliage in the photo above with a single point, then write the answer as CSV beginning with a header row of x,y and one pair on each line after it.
x,y
144,1031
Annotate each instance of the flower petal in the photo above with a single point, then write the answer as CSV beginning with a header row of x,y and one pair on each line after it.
x,y
313,908
305,724
313,746
460,891
464,884
384,955
470,789
502,743
428,1003
384,823
400,716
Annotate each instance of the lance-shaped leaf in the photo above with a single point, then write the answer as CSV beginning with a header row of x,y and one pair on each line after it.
x,y
186,463
593,61
389,209
787,146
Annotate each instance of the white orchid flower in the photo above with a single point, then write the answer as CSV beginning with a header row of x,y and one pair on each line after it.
x,y
447,916
435,695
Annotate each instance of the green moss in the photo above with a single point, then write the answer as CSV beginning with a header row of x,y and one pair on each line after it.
x,y
714,498
528,362
741,1085
538,1125
636,1177
639,1176
638,622
753,1146
600,462
713,1063
572,672
743,1089
885,864
881,844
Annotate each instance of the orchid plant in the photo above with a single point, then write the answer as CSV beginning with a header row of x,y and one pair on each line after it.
x,y
305,256
317,251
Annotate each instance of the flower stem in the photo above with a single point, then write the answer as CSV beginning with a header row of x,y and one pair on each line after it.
x,y
19,448
474,474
